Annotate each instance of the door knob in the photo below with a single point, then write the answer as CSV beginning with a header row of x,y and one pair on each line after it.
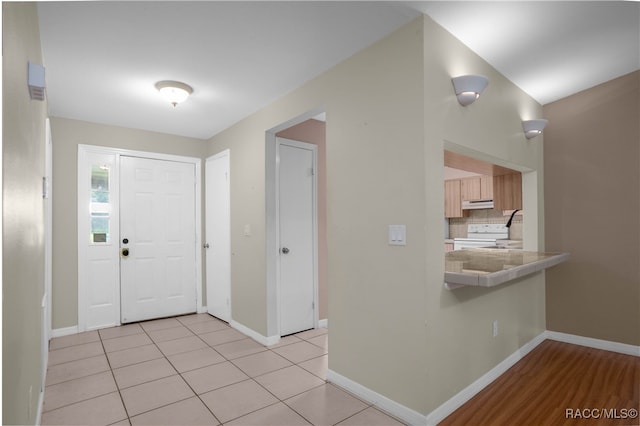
x,y
125,252
285,250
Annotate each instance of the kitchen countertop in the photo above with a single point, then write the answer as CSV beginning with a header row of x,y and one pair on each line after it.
x,y
489,267
511,244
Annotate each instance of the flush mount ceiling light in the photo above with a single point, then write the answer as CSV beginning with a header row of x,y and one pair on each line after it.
x,y
174,91
533,128
469,87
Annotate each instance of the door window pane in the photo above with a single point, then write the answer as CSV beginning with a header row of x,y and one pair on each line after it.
x,y
99,184
99,229
100,209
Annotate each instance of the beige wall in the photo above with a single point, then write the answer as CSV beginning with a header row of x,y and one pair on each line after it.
x,y
391,111
315,132
592,166
374,178
23,145
459,322
67,135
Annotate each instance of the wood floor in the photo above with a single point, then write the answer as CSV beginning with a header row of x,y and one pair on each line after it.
x,y
555,382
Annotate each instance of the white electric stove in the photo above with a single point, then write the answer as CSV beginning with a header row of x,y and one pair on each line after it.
x,y
482,235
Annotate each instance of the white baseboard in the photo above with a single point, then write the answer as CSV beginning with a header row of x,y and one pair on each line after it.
x,y
395,409
413,417
323,323
470,391
59,332
40,407
467,393
263,340
201,310
606,345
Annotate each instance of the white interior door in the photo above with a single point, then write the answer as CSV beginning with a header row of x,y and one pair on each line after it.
x,y
297,235
218,236
157,238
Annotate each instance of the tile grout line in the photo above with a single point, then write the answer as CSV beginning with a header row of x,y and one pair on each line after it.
x,y
225,359
126,411
231,384
144,330
77,378
230,360
180,374
209,346
189,385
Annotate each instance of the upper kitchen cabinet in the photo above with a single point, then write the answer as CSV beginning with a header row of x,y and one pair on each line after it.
x,y
486,187
471,179
476,188
507,191
452,198
470,188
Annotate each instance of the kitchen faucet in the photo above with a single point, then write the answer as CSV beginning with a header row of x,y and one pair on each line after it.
x,y
508,225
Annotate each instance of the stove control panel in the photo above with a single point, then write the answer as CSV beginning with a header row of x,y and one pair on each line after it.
x,y
487,230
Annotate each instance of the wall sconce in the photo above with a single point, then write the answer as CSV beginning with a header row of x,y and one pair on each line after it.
x,y
469,87
533,128
174,91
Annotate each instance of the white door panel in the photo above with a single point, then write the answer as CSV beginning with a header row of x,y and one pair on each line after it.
x,y
157,227
218,241
99,269
297,237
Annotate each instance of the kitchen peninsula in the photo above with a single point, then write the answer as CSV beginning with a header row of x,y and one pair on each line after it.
x,y
489,267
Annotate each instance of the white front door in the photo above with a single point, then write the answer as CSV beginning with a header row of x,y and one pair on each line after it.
x,y
218,241
297,232
157,238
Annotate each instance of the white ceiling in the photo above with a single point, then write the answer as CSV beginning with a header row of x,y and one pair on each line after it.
x,y
102,59
550,49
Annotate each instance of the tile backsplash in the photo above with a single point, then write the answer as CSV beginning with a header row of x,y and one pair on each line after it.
x,y
458,225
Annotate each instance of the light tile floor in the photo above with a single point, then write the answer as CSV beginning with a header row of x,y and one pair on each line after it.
x,y
195,370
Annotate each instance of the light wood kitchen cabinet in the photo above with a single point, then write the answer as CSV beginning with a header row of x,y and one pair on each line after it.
x,y
452,198
507,192
486,187
470,189
476,188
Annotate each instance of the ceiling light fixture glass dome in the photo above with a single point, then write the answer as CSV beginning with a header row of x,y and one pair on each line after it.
x,y
174,91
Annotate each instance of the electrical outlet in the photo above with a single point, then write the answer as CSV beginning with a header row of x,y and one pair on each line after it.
x,y
495,328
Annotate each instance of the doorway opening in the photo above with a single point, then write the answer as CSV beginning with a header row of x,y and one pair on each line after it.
x,y
485,200
296,148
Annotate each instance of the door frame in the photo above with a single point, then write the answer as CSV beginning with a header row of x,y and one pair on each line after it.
x,y
225,153
82,197
314,149
272,249
47,195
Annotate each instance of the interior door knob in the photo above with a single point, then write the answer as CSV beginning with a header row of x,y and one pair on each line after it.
x,y
285,250
125,252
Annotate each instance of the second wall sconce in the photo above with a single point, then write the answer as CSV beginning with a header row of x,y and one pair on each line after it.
x,y
533,128
469,87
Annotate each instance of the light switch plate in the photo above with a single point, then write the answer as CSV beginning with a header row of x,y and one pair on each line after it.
x,y
397,235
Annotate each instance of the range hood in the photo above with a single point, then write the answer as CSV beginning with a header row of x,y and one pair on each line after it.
x,y
477,205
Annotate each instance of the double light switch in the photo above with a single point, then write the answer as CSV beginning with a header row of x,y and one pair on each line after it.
x,y
398,235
